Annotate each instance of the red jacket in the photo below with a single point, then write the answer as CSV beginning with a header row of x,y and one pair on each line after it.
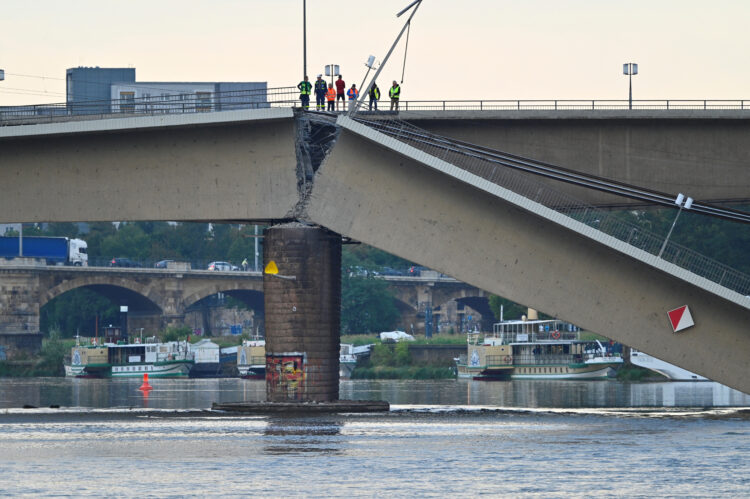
x,y
340,87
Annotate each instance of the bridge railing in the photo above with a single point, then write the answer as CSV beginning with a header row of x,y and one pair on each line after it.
x,y
134,262
204,102
569,105
185,103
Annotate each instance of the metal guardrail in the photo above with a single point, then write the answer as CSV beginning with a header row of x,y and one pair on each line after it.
x,y
570,105
198,102
203,102
151,264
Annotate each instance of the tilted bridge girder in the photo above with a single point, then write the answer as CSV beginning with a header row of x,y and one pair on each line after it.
x,y
429,211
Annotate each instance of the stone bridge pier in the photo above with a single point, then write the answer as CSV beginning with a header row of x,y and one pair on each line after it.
x,y
19,310
303,312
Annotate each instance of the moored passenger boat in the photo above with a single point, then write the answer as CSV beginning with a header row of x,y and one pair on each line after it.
x,y
536,349
122,360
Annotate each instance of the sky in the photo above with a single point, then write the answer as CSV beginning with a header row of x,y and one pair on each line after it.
x,y
470,49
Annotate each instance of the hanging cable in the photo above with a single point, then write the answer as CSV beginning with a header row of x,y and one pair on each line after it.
x,y
416,135
406,48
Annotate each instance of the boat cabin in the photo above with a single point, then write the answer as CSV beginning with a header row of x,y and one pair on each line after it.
x,y
510,332
132,354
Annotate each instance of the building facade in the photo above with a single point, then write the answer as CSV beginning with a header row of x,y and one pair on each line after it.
x,y
95,90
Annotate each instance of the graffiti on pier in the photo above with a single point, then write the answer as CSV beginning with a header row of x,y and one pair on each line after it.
x,y
286,374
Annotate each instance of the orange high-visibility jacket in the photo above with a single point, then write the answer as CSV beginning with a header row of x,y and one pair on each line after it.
x,y
331,94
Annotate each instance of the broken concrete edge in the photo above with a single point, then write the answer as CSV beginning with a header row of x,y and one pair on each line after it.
x,y
303,407
315,136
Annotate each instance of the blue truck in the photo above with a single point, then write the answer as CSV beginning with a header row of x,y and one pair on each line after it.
x,y
54,250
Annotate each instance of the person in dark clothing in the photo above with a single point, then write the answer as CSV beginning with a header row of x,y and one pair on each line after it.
x,y
340,92
305,88
374,96
320,93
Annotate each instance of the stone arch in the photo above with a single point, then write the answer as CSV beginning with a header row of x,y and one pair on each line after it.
x,y
144,295
477,302
200,311
247,292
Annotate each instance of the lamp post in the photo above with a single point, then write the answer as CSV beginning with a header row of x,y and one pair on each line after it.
x,y
20,227
679,202
332,70
304,38
630,69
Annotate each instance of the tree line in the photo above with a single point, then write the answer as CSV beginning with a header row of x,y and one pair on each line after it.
x,y
367,304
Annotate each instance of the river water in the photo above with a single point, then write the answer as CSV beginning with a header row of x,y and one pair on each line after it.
x,y
467,438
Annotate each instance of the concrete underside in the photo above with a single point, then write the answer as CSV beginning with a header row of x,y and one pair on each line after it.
x,y
706,158
227,171
398,205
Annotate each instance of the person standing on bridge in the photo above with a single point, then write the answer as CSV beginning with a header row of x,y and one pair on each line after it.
x,y
395,94
340,92
320,93
305,87
353,93
244,264
331,96
374,96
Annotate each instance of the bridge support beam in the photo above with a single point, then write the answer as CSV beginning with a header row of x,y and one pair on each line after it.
x,y
303,313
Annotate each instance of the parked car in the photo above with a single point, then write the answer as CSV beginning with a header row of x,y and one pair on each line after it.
x,y
390,271
162,264
360,271
222,266
123,262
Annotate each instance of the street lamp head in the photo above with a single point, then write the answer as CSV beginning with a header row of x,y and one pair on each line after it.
x,y
630,68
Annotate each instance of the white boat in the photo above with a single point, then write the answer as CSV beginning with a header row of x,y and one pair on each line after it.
x,y
662,367
536,349
348,356
123,360
251,359
207,360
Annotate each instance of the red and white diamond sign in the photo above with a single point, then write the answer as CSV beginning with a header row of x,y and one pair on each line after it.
x,y
680,318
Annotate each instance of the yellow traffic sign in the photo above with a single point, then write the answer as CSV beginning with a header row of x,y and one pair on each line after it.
x,y
271,268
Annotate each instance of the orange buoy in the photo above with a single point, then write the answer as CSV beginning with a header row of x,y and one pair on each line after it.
x,y
145,386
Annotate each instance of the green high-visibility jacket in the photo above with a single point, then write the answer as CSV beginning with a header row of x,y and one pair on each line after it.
x,y
305,87
395,92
